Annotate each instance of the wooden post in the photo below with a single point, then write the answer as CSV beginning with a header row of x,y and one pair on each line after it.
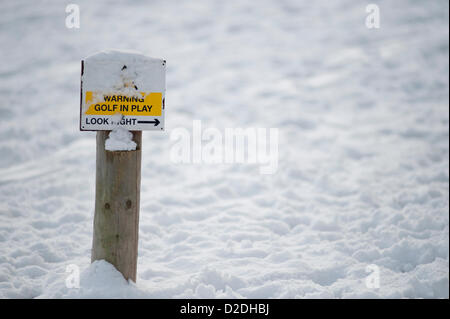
x,y
117,195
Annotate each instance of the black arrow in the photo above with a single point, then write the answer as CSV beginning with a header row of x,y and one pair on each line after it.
x,y
156,121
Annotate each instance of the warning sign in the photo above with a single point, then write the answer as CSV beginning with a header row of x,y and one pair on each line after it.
x,y
132,101
150,104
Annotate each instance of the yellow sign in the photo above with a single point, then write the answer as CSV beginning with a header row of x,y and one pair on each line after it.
x,y
149,105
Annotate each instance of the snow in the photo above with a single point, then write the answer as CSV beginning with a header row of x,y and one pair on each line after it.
x,y
120,139
100,279
363,170
107,71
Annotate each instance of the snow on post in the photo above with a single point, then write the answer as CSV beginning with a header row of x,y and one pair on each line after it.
x,y
122,93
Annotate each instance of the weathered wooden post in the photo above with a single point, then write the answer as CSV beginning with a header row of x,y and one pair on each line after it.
x,y
117,194
120,91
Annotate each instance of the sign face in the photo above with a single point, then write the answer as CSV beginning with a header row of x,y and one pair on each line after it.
x,y
120,92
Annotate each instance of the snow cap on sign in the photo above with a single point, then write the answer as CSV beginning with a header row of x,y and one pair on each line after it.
x,y
123,72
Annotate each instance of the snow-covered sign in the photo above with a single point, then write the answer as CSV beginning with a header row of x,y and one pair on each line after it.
x,y
122,89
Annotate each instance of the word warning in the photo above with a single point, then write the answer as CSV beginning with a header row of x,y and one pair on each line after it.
x,y
134,101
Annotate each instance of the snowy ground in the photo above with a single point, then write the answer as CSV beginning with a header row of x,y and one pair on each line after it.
x,y
363,175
